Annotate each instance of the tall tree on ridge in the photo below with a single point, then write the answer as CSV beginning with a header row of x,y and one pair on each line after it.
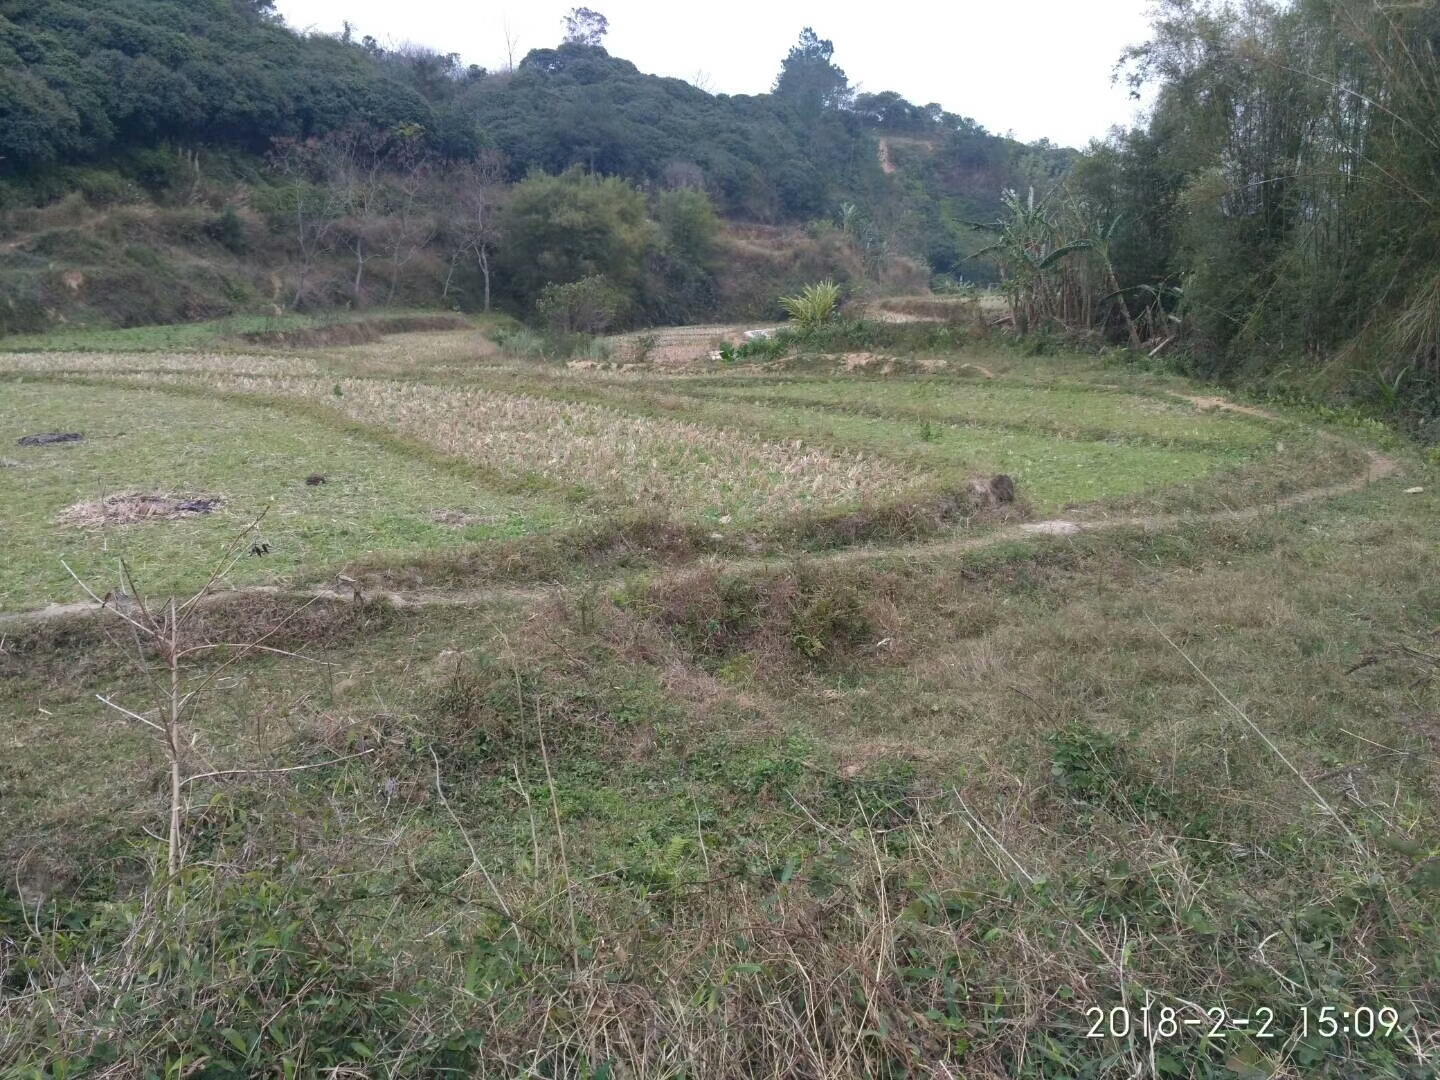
x,y
809,80
584,26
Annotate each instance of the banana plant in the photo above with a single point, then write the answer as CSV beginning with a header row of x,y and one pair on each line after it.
x,y
1099,242
1027,246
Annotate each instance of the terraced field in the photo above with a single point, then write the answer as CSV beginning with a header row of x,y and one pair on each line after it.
x,y
422,447
700,719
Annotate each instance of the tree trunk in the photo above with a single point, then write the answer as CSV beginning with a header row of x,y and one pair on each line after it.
x,y
485,272
1124,308
359,269
450,274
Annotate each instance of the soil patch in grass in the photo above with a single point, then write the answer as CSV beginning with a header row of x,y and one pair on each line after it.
x,y
463,518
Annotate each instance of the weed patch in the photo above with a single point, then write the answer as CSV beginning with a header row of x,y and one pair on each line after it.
x,y
806,615
357,332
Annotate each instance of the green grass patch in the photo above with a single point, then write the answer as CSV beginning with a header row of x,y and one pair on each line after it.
x,y
1073,411
1050,470
374,498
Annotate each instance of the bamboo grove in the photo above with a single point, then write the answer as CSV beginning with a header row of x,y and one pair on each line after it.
x,y
1279,211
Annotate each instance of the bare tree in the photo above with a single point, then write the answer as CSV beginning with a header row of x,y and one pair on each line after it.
x,y
478,185
678,175
409,227
313,204
354,161
169,631
512,43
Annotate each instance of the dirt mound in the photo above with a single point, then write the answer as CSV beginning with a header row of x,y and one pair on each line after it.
x,y
875,364
134,507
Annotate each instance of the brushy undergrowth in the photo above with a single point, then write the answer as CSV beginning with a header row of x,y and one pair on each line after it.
x,y
857,335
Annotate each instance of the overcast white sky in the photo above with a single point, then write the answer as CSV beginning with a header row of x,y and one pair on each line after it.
x,y
1037,68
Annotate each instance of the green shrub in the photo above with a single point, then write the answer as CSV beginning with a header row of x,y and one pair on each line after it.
x,y
769,347
103,188
21,312
70,246
523,344
587,306
227,230
812,617
1086,763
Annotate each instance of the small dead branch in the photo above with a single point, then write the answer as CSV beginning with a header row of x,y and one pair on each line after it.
x,y
166,630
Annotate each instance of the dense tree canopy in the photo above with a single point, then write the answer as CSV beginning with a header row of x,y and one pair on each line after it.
x,y
83,79
80,81
560,229
1287,183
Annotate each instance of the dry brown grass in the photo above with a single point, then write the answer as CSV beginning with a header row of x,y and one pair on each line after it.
x,y
217,363
636,461
135,507
932,308
417,353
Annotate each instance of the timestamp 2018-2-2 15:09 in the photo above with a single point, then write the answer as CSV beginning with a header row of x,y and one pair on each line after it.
x,y
1154,1022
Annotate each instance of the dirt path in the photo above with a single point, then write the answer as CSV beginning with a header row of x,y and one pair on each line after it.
x,y
1378,468
886,165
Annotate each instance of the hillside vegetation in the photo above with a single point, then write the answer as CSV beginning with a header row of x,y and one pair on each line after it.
x,y
162,162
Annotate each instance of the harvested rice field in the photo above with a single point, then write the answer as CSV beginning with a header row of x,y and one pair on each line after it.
x,y
883,713
431,440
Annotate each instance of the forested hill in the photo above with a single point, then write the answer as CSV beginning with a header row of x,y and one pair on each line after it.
x,y
83,81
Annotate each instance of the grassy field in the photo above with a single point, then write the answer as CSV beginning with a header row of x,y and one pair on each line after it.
x,y
739,745
374,498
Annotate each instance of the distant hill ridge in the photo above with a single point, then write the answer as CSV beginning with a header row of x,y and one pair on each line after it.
x,y
187,135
